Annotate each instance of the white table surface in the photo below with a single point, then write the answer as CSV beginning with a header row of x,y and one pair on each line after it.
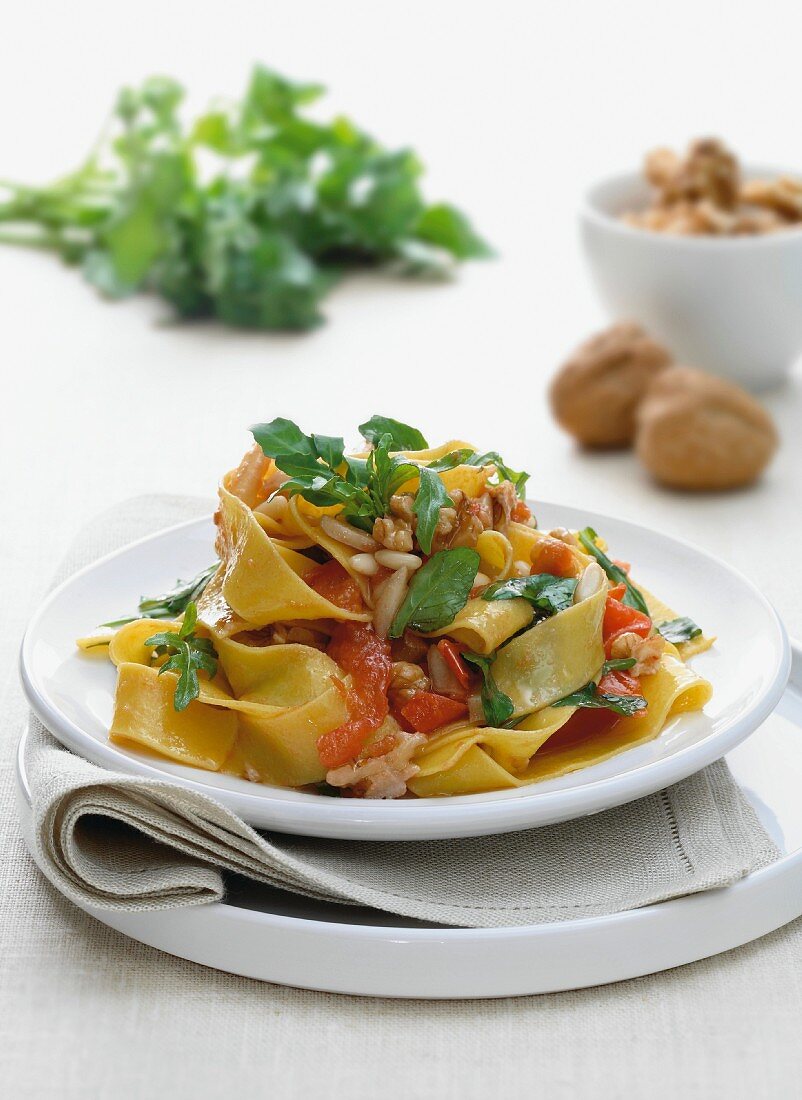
x,y
514,111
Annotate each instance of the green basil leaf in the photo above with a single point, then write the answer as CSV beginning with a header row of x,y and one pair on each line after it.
x,y
543,590
429,499
438,590
679,630
402,436
632,596
497,706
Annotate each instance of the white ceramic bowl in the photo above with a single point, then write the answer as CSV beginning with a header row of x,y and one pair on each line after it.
x,y
730,305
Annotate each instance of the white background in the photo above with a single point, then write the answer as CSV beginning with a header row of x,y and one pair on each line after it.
x,y
515,109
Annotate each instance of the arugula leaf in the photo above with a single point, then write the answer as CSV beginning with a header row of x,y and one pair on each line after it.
x,y
452,459
438,590
544,591
186,654
590,696
679,630
519,478
402,436
429,499
173,603
296,204
632,596
497,706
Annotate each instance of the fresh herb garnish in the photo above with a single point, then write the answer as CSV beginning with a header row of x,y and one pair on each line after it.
x,y
590,696
173,603
519,478
294,205
632,596
186,654
545,592
679,630
402,436
438,590
429,499
618,664
497,706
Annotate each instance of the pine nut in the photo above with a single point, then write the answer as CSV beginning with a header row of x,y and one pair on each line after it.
x,y
348,535
521,569
365,564
397,559
481,580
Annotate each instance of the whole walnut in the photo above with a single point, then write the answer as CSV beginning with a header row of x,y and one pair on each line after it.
x,y
595,393
696,431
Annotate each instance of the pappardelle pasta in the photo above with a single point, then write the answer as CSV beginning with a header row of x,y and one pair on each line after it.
x,y
393,623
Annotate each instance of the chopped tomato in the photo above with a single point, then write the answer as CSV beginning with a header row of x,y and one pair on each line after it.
x,y
553,556
453,658
335,584
621,682
617,591
380,747
619,619
426,711
585,722
359,651
520,513
625,565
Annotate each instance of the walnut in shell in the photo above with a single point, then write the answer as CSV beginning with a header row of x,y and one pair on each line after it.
x,y
696,431
595,393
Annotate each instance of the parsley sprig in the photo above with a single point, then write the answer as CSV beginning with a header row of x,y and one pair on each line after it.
x,y
187,654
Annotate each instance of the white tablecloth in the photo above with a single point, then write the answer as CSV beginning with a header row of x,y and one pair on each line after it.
x,y
101,403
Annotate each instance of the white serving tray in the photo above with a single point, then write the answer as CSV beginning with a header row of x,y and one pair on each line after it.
x,y
274,936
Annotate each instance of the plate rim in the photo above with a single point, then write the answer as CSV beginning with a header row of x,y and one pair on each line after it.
x,y
349,819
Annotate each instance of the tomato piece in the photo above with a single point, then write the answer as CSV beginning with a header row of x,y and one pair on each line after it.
x,y
426,711
619,618
620,682
584,723
521,513
553,556
335,584
453,658
359,651
625,565
617,591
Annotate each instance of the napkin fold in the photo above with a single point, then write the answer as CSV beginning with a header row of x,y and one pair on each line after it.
x,y
115,841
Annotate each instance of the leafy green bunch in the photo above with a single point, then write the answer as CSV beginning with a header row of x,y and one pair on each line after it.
x,y
321,472
257,239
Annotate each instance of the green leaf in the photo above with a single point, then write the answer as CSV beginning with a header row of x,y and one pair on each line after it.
x,y
518,478
281,437
438,590
544,591
402,436
679,630
497,706
590,696
173,603
186,655
429,499
445,226
618,664
450,460
632,596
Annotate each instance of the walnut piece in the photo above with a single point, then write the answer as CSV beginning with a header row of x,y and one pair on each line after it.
x,y
595,393
646,651
696,431
393,533
702,194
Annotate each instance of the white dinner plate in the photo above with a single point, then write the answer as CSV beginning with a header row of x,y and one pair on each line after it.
x,y
73,693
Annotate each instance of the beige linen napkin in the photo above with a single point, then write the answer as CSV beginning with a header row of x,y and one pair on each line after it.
x,y
117,841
